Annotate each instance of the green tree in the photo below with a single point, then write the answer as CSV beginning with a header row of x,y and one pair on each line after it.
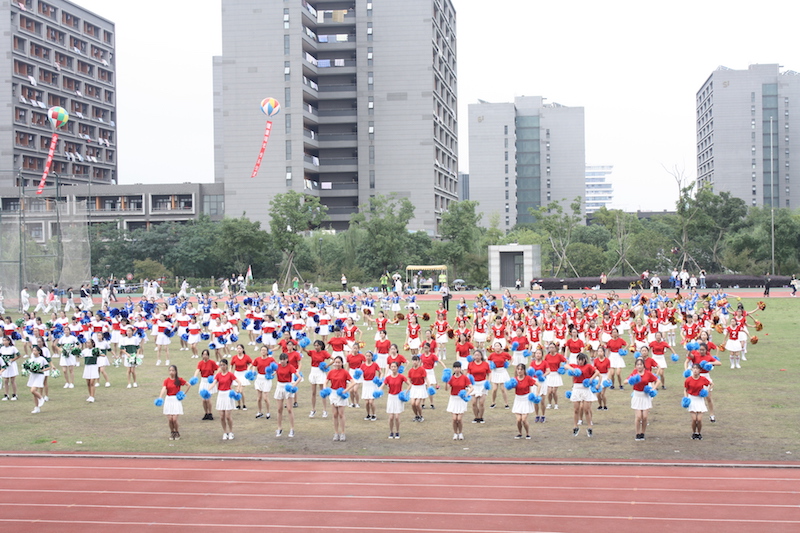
x,y
559,227
150,269
291,214
587,259
242,243
384,219
459,227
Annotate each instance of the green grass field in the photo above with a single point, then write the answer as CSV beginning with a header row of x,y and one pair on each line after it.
x,y
757,411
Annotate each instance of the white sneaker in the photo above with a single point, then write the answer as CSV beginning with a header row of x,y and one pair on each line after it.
x,y
743,357
224,436
129,385
108,384
342,437
41,402
66,385
36,410
278,432
460,436
549,406
335,437
71,385
158,363
324,414
455,436
311,414
556,406
291,433
733,365
166,363
46,398
230,436
90,399
738,365
135,385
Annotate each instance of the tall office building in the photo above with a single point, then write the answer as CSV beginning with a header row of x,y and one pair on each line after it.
x,y
748,142
599,192
59,54
524,155
368,96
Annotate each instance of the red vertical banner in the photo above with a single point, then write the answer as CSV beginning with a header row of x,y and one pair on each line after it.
x,y
263,147
48,163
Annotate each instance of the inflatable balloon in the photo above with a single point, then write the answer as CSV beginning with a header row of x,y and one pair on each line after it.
x,y
58,116
270,107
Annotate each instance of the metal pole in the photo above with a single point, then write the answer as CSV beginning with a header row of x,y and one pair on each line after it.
x,y
772,193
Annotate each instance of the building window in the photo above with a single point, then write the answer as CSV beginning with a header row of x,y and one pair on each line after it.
x,y
288,121
370,79
371,155
506,156
371,179
287,97
752,97
286,48
506,173
288,150
753,124
754,176
213,204
288,173
505,129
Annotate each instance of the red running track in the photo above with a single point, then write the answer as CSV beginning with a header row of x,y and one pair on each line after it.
x,y
73,493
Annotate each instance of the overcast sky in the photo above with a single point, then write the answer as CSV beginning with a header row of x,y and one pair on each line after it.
x,y
634,66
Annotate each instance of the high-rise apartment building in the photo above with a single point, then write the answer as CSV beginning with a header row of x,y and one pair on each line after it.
x,y
368,92
748,135
524,155
599,192
58,54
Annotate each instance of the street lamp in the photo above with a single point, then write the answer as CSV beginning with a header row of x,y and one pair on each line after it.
x,y
772,194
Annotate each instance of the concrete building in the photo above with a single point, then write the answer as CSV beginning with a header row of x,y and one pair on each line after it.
x,y
368,93
524,155
747,140
58,54
599,192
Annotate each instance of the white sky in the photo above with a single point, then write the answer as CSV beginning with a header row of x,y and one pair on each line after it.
x,y
634,66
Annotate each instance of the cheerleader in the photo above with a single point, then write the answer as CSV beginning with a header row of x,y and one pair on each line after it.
x,y
539,364
48,357
479,370
162,340
441,328
614,345
240,363
419,387
183,320
463,348
553,381
499,358
394,407
206,367
173,407
380,325
102,344
339,379
36,378
193,330
412,331
582,396
659,348
287,375
382,346
733,343
9,355
129,344
396,357
639,333
574,346
354,362
525,385
602,364
263,364
324,326
457,405
641,401
370,370
91,374
692,386
224,380
316,377
703,357
479,330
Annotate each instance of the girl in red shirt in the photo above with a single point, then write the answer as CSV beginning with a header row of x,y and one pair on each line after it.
x,y
553,359
696,357
538,363
395,357
522,405
354,362
382,349
642,402
339,378
286,374
582,397
614,345
371,369
697,404
263,385
602,364
225,404
316,377
457,406
241,363
172,406
518,357
418,377
479,370
206,367
499,374
394,407
463,349
429,361
413,330
574,346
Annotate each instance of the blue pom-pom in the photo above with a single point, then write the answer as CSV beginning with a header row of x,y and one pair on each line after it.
x,y
568,394
594,390
205,336
514,346
446,375
607,383
185,337
647,389
401,369
511,384
653,393
232,394
532,397
358,374
340,392
212,346
269,375
469,359
377,381
703,393
250,375
234,338
324,393
636,355
539,374
595,382
505,364
492,366
464,396
288,387
377,394
180,396
634,379
210,379
431,391
304,341
562,370
623,352
587,383
222,341
716,358
686,402
205,394
487,385
527,353
194,381
531,372
693,345
159,402
272,367
404,396
707,366
687,373
472,379
674,357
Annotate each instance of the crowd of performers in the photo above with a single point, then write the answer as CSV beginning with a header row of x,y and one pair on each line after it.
x,y
521,349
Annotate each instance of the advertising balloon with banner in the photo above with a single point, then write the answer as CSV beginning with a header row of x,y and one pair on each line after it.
x,y
270,107
58,117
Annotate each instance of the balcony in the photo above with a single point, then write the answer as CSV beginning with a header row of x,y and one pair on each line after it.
x,y
337,92
338,140
338,116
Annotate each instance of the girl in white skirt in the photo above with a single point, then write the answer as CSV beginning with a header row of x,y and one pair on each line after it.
x,y
339,378
317,377
102,362
641,402
263,386
240,363
67,360
224,382
457,405
9,354
553,381
394,407
371,369
162,341
499,374
522,405
479,370
91,374
172,403
693,385
418,377
582,397
286,374
206,368
614,345
36,379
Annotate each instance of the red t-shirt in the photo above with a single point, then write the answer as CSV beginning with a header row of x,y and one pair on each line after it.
x,y
647,378
207,368
284,373
615,345
499,358
354,361
650,363
463,350
659,348
539,365
261,363
554,361
694,386
173,389
395,383
478,370
370,371
694,357
337,344
294,359
524,385
522,343
458,383
429,360
575,346
399,359
287,345
382,347
224,381
587,371
417,375
603,365
241,364
339,378
318,356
